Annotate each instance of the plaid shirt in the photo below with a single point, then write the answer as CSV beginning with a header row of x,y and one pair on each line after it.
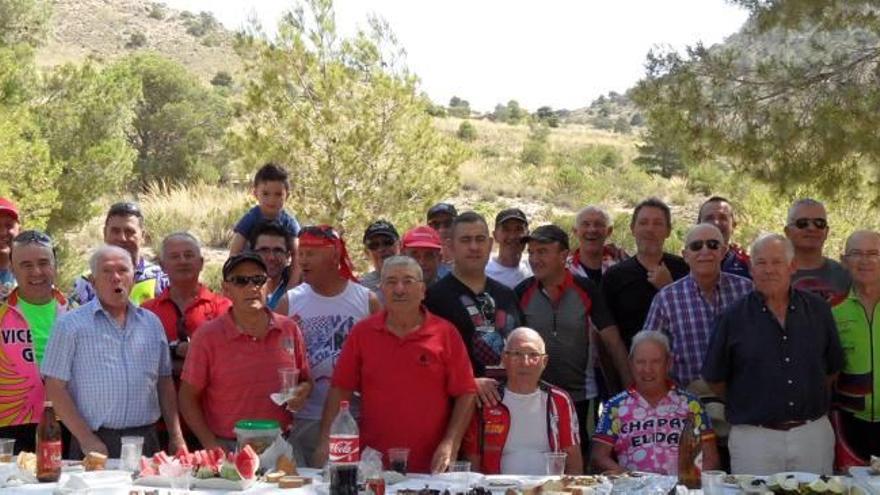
x,y
681,312
111,372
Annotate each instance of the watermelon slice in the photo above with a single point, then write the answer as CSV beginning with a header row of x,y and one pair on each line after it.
x,y
147,468
247,462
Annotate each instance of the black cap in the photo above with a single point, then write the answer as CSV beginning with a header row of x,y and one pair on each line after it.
x,y
382,227
238,259
548,233
510,214
442,208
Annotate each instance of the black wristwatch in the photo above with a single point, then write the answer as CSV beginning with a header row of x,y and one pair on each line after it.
x,y
172,347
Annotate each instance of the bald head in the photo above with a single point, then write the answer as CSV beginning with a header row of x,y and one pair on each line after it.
x,y
703,231
524,334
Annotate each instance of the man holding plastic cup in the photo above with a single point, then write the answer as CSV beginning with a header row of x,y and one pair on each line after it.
x,y
231,367
503,438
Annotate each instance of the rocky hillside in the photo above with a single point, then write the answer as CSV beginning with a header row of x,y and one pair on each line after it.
x,y
108,29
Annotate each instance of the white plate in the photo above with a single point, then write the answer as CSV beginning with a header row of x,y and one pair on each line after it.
x,y
863,475
801,477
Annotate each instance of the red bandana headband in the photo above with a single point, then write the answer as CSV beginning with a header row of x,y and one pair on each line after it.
x,y
325,236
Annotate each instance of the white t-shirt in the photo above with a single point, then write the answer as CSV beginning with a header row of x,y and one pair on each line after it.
x,y
325,323
527,440
508,276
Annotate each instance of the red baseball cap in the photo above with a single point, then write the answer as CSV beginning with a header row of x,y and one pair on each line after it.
x,y
8,207
422,236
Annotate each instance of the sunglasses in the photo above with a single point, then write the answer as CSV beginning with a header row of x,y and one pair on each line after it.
x,y
276,252
33,236
376,244
819,223
713,244
244,281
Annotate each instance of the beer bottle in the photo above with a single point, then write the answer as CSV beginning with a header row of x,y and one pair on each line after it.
x,y
688,448
48,446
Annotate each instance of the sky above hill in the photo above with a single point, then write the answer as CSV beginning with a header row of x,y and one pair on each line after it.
x,y
561,53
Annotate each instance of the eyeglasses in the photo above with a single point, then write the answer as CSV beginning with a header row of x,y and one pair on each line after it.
x,y
803,223
713,244
384,242
872,255
276,252
125,208
523,355
244,281
33,236
439,224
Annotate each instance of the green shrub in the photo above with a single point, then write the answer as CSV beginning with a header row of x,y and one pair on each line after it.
x,y
136,40
466,132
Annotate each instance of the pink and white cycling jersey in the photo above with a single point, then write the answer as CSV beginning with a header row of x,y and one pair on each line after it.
x,y
645,437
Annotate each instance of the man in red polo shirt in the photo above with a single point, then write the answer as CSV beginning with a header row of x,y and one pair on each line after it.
x,y
232,364
412,371
186,304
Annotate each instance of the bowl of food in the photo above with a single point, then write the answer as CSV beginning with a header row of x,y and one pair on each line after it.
x,y
258,433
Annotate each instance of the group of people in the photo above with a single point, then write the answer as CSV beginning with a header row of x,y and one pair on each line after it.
x,y
453,352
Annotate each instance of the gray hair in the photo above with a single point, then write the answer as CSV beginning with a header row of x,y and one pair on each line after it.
x,y
525,332
858,234
767,238
797,204
105,251
691,231
594,209
643,336
180,236
401,260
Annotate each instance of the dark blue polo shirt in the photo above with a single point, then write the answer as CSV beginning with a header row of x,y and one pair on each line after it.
x,y
774,374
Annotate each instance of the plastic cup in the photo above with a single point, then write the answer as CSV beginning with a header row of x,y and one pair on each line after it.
x,y
462,468
397,458
7,448
712,482
289,378
555,462
130,453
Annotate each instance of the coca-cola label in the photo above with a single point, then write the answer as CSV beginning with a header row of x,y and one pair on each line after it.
x,y
49,456
344,448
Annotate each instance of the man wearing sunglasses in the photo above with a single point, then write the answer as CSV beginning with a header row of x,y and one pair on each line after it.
x,y
440,217
326,306
107,367
124,227
9,227
26,320
686,312
807,228
381,241
232,365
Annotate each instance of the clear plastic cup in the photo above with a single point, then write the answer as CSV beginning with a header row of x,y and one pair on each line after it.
x,y
712,482
397,458
7,448
555,462
289,378
130,453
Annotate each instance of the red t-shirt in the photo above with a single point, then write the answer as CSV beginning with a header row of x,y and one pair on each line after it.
x,y
407,384
236,373
205,307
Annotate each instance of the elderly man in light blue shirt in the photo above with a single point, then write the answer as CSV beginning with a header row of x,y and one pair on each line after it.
x,y
107,367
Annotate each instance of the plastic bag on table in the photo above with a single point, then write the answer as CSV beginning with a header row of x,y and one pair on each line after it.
x,y
279,447
371,463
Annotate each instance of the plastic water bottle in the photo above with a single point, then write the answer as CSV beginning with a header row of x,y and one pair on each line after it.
x,y
344,453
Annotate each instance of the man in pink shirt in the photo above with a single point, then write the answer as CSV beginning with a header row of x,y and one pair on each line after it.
x,y
232,364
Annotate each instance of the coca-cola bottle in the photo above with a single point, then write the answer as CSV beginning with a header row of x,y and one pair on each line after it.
x,y
48,446
344,453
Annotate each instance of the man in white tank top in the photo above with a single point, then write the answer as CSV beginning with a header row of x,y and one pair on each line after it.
x,y
326,305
